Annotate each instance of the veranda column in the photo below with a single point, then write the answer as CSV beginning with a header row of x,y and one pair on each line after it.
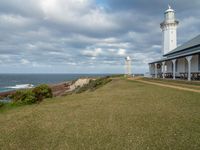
x,y
189,58
163,69
156,71
174,68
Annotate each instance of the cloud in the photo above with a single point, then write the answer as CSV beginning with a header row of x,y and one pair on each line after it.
x,y
93,53
14,20
78,15
121,52
24,61
78,36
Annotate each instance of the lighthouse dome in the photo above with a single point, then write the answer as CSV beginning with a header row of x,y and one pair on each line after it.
x,y
169,9
128,58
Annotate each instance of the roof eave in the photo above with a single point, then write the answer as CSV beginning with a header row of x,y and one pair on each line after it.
x,y
171,53
178,56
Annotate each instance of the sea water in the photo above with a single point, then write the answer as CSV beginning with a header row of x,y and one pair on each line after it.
x,y
9,82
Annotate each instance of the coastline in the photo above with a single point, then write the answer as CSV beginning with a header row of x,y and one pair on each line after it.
x,y
58,89
9,83
5,94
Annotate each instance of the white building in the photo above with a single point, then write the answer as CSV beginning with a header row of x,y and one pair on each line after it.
x,y
177,62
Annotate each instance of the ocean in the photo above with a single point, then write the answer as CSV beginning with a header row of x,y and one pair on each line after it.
x,y
9,82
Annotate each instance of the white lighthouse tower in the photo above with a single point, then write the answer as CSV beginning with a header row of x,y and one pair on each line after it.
x,y
169,29
128,66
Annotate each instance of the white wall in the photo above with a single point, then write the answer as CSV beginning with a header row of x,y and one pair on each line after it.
x,y
181,65
169,66
169,39
194,64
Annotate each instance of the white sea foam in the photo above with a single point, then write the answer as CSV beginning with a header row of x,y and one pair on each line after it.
x,y
21,86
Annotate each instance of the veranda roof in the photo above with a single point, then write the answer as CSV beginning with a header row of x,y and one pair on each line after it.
x,y
191,47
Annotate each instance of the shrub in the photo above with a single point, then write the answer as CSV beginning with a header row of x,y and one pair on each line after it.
x,y
32,96
24,97
42,91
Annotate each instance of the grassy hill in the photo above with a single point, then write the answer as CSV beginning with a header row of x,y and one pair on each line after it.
x,y
120,115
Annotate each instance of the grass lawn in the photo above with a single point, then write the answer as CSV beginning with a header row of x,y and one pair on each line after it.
x,y
121,115
187,84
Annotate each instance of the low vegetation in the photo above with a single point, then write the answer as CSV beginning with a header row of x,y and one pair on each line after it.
x,y
117,76
94,84
32,96
1,104
23,97
121,115
43,91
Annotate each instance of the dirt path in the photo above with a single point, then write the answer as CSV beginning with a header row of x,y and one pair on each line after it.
x,y
166,85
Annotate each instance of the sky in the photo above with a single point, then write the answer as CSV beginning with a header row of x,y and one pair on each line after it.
x,y
87,36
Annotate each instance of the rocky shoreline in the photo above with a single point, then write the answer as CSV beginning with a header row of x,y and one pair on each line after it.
x,y
5,94
59,89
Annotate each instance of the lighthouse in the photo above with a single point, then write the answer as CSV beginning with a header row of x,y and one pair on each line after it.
x,y
128,66
169,29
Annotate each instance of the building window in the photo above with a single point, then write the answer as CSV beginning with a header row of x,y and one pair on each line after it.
x,y
176,66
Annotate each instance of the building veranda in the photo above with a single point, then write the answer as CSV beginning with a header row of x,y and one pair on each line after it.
x,y
181,62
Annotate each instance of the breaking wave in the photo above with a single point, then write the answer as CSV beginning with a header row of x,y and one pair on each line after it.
x,y
21,86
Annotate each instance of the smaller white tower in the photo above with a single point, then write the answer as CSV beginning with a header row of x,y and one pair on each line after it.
x,y
128,66
169,29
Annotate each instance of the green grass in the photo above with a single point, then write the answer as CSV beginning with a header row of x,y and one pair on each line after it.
x,y
187,84
9,106
120,115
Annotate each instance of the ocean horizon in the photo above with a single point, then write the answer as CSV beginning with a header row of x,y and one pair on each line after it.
x,y
10,82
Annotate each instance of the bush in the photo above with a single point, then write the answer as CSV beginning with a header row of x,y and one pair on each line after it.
x,y
42,91
32,96
24,97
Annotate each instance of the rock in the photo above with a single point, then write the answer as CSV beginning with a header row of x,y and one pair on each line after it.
x,y
79,83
